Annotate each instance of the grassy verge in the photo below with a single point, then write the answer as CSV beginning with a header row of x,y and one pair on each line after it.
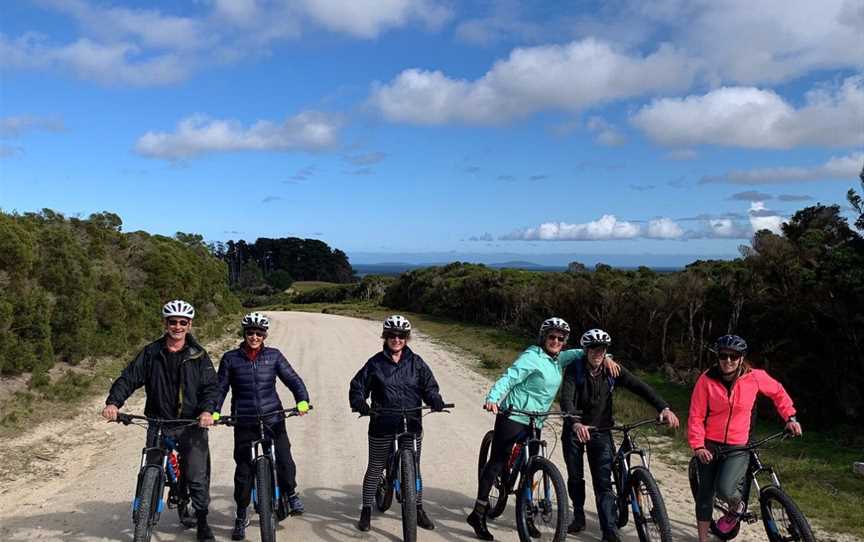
x,y
815,469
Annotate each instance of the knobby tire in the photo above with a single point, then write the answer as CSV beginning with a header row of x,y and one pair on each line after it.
x,y
525,500
498,495
408,489
264,490
644,489
148,503
796,528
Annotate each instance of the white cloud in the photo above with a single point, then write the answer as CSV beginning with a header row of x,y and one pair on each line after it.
x,y
198,134
605,133
565,77
664,228
369,18
15,126
605,228
837,167
762,219
754,118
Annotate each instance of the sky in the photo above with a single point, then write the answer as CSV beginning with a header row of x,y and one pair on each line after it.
x,y
533,129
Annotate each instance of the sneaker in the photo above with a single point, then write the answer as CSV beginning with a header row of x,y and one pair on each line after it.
x,y
730,519
365,518
611,536
295,504
423,521
577,525
205,533
239,532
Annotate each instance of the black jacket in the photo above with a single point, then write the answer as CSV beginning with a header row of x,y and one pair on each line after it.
x,y
406,384
197,390
593,396
253,383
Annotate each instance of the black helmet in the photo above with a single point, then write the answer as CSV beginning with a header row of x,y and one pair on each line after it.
x,y
730,342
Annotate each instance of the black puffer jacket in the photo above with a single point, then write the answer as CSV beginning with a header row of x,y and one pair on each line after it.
x,y
253,383
198,390
406,384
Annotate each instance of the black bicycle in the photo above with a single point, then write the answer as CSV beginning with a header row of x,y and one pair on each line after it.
x,y
270,503
783,520
160,467
636,489
401,476
541,495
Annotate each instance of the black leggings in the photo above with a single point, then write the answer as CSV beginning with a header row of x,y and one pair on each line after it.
x,y
244,472
507,432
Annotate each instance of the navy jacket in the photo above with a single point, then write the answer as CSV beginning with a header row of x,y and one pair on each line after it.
x,y
406,384
253,383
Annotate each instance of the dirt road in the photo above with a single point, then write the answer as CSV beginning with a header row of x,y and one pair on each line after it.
x,y
78,485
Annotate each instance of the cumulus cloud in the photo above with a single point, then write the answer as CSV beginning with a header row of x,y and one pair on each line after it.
x,y
837,167
15,126
199,134
368,18
762,218
663,228
605,228
605,133
760,119
567,77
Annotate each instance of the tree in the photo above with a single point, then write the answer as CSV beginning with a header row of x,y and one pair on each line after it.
x,y
857,202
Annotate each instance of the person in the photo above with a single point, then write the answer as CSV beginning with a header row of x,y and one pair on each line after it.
x,y
250,372
395,377
180,383
588,389
721,412
530,383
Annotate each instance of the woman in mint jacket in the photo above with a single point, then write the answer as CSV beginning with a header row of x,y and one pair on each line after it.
x,y
531,383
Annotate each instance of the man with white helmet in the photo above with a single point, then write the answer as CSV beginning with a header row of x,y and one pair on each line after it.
x,y
180,382
250,371
587,389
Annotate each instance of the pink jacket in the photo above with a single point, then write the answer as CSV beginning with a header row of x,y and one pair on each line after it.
x,y
722,416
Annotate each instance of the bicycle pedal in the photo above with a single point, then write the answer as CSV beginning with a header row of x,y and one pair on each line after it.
x,y
749,517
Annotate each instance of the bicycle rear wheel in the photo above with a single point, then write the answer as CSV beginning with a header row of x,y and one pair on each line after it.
x,y
408,491
498,494
264,492
541,503
146,504
782,518
649,510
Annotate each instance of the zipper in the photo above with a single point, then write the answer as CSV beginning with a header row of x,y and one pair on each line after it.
x,y
730,401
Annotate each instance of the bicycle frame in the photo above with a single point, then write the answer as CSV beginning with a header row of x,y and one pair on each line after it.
x,y
751,478
527,443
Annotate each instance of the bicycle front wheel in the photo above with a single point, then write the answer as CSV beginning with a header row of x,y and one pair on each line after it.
x,y
408,491
783,520
498,494
541,503
264,492
649,510
146,504
384,491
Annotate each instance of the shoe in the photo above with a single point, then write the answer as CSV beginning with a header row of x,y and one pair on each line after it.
x,y
240,524
578,523
729,520
477,520
187,520
423,520
295,504
205,533
365,518
611,536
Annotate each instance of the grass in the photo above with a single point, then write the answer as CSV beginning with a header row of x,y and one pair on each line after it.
x,y
815,470
306,285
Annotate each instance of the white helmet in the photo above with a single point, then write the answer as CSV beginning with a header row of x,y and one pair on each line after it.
x,y
554,323
256,320
178,307
595,337
397,322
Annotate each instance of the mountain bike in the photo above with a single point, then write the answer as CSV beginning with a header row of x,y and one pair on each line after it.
x,y
160,466
401,476
541,495
782,518
636,489
269,502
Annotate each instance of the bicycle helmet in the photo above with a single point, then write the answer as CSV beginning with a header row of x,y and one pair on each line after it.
x,y
730,342
595,337
554,323
178,307
397,322
255,320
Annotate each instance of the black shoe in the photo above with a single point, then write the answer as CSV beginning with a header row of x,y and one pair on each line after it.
x,y
423,521
578,523
240,524
477,520
187,520
365,518
205,533
611,536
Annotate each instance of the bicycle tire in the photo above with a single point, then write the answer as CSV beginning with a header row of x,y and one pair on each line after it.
x,y
264,491
798,528
147,501
551,476
643,484
498,494
408,490
384,491
621,495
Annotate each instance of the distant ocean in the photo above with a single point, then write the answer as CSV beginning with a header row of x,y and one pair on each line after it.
x,y
396,268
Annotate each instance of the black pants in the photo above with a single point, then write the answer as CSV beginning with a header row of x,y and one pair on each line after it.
x,y
601,450
507,432
244,473
194,449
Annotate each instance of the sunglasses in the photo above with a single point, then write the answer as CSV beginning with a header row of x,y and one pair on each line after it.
x,y
255,333
728,357
176,322
559,338
400,336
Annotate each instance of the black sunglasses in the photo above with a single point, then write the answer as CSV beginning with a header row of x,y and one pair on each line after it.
x,y
559,338
401,336
728,357
176,322
256,333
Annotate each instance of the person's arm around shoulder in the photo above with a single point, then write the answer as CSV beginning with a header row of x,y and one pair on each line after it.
x,y
132,378
292,380
649,394
781,399
521,369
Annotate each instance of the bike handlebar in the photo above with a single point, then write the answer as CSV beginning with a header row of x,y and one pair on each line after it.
x,y
403,411
127,419
231,420
627,427
538,414
726,450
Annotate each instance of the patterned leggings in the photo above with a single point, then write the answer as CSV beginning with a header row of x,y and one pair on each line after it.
x,y
379,451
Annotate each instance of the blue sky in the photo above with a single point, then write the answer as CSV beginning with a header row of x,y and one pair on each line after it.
x,y
388,127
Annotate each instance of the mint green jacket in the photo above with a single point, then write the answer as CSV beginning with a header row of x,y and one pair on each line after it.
x,y
532,382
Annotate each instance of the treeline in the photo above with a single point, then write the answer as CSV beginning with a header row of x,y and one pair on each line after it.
x,y
798,299
71,287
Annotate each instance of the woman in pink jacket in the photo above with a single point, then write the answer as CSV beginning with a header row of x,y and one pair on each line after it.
x,y
721,410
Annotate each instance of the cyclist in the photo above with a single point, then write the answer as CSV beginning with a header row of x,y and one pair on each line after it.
x,y
588,388
721,411
395,377
530,383
250,371
180,382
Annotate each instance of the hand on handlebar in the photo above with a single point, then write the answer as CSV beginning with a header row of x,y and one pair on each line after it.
x,y
704,455
363,409
110,412
491,407
205,419
583,432
794,428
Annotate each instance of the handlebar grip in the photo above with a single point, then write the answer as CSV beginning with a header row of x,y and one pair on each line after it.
x,y
449,405
125,419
